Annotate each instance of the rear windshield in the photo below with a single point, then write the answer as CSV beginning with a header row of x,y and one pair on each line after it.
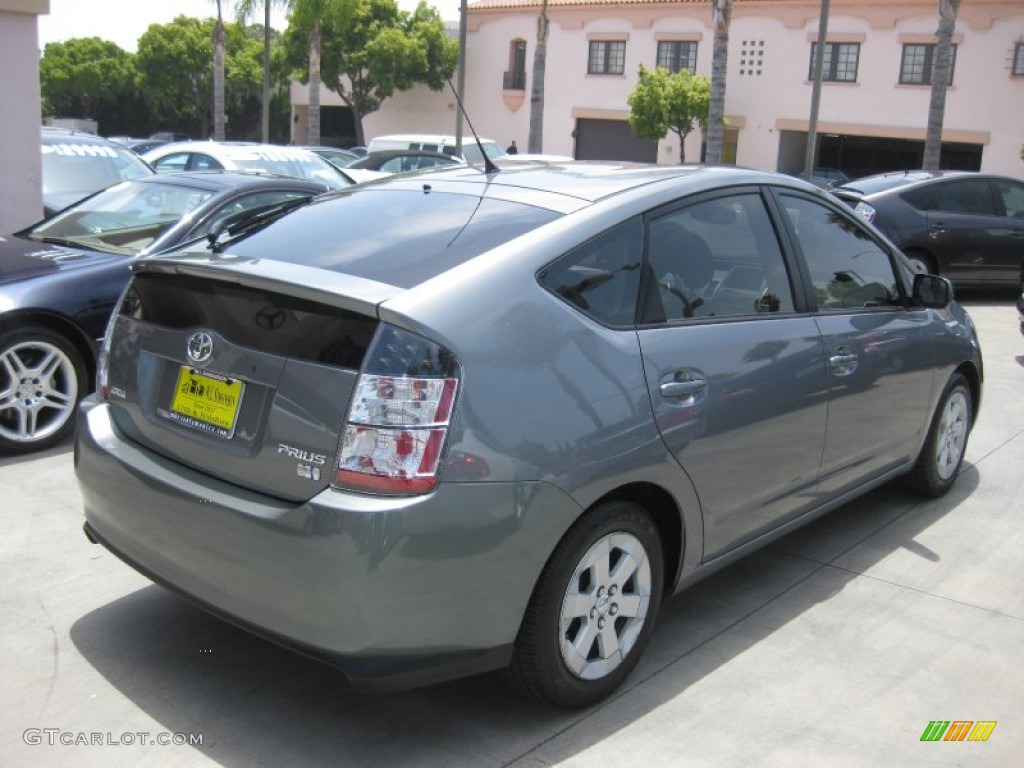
x,y
398,237
81,169
285,161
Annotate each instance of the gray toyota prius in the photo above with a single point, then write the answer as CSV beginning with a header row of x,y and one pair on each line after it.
x,y
474,419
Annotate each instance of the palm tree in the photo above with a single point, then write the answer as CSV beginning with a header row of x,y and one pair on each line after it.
x,y
535,142
940,79
244,9
721,12
218,75
310,14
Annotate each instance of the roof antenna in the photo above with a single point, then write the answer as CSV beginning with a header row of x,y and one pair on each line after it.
x,y
489,166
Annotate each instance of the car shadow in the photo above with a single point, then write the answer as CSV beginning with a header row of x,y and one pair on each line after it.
x,y
257,703
67,445
991,295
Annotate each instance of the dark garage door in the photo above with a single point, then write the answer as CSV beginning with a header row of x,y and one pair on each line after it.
x,y
612,140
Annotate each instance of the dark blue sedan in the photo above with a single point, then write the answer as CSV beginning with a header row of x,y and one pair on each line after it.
x,y
60,278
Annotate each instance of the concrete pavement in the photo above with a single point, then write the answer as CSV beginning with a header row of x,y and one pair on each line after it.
x,y
837,646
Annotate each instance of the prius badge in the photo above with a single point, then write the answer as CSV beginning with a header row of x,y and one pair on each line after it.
x,y
200,347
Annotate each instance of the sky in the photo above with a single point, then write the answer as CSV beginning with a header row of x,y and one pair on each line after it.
x,y
124,21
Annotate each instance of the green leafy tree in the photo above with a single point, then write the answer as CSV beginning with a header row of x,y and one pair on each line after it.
x,y
174,70
177,79
370,49
664,102
309,15
245,9
243,78
85,77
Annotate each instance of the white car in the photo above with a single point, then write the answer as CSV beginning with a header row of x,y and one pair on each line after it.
x,y
246,156
433,142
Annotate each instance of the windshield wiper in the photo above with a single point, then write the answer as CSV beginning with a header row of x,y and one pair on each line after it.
x,y
69,242
244,223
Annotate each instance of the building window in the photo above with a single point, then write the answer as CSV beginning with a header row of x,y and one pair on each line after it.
x,y
840,64
607,57
918,61
1018,60
676,55
515,77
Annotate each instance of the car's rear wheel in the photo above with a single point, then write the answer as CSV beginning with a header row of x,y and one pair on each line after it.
x,y
593,609
921,262
943,451
41,381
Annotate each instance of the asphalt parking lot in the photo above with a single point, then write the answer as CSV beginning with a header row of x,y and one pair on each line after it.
x,y
837,646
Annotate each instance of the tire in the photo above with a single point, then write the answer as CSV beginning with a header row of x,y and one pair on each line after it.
x,y
593,609
943,451
42,377
921,263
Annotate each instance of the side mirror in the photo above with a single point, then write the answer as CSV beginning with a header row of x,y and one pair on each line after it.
x,y
932,291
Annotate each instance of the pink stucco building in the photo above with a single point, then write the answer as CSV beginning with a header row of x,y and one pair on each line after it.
x,y
874,101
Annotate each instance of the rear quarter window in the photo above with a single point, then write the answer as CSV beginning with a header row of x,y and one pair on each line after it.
x,y
601,278
920,198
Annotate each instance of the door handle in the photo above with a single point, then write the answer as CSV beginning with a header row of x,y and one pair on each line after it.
x,y
843,361
683,384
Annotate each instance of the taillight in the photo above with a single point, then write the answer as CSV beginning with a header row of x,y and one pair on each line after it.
x,y
397,424
103,357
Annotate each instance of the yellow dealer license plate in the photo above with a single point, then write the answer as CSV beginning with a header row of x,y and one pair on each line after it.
x,y
206,401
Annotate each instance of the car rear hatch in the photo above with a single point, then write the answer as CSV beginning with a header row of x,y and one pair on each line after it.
x,y
246,377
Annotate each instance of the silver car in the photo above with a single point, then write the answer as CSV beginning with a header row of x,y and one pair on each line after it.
x,y
462,421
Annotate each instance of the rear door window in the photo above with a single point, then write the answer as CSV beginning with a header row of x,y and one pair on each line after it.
x,y
716,258
970,196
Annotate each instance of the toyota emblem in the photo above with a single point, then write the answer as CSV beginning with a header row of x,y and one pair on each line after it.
x,y
200,347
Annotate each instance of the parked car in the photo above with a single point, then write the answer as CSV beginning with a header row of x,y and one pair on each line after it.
x,y
440,425
966,226
828,177
76,164
60,278
245,156
402,160
438,143
335,156
138,146
141,146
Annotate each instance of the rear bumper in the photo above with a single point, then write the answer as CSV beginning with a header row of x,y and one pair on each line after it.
x,y
395,592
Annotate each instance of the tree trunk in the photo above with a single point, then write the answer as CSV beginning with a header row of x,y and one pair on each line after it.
x,y
940,78
535,142
265,109
357,120
721,14
313,130
218,78
682,147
